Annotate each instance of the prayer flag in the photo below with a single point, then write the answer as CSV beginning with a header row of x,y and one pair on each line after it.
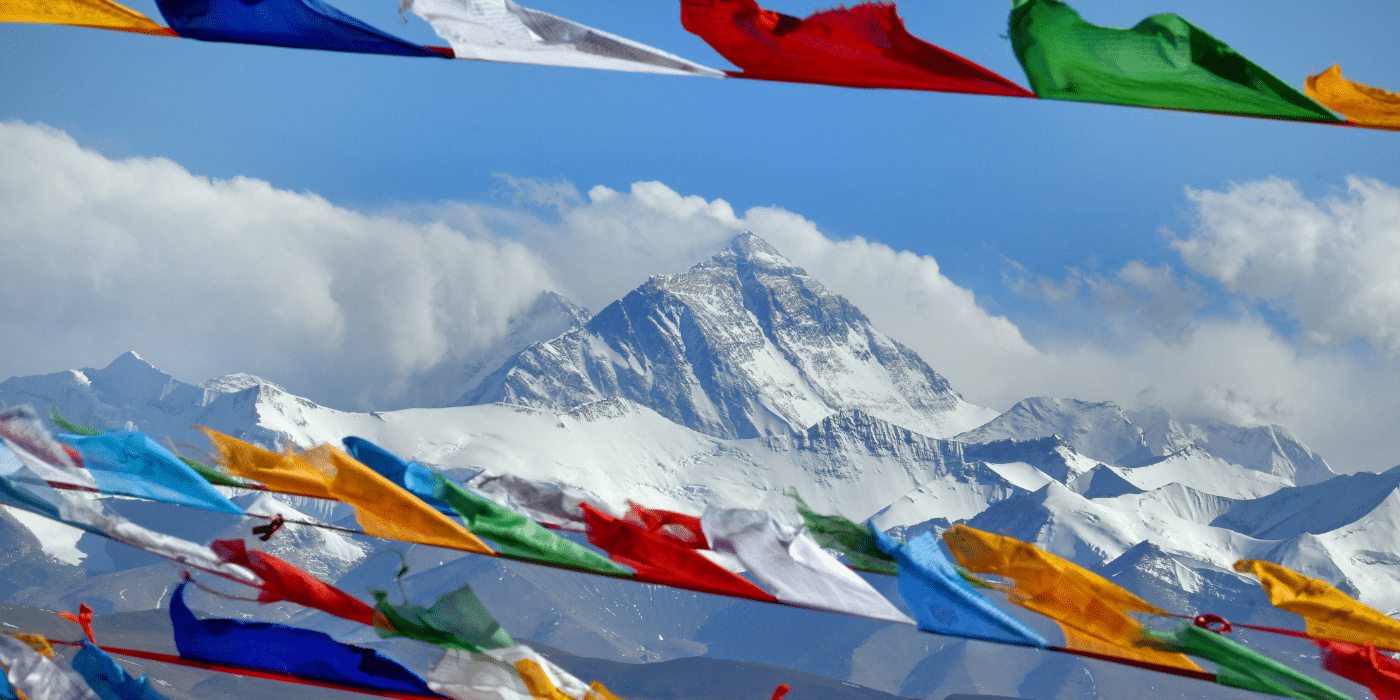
x,y
100,14
108,679
457,620
1360,104
513,534
793,565
1363,664
298,24
37,677
381,507
944,603
24,433
856,541
1164,61
1330,613
500,30
541,501
1091,610
512,673
283,581
685,530
661,560
1240,667
132,464
865,46
298,652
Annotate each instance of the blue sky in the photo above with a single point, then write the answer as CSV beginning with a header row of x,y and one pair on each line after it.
x,y
1036,208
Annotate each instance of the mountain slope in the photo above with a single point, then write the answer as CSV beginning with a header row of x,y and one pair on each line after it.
x,y
742,345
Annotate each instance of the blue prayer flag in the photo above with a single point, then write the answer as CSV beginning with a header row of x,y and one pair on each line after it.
x,y
412,476
943,602
132,464
109,680
299,652
298,24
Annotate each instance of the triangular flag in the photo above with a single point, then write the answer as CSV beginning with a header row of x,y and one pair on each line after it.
x,y
1360,104
1240,667
1330,613
298,24
283,581
100,14
457,620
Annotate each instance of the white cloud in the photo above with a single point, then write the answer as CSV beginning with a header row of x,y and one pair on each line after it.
x,y
205,277
1332,265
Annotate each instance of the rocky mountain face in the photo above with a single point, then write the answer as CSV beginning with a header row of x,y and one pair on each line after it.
x,y
742,345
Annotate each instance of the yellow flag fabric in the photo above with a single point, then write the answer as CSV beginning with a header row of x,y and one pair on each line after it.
x,y
1330,613
102,14
1360,104
381,507
1091,610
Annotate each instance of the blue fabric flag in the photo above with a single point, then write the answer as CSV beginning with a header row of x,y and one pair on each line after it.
x,y
273,647
412,476
132,464
109,680
943,602
7,691
298,24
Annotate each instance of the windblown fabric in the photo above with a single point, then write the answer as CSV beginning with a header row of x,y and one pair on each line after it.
x,y
661,560
793,565
858,542
457,620
37,677
108,679
1363,664
24,433
1360,104
282,581
1091,610
685,530
132,464
23,489
512,673
944,603
1164,61
381,507
864,46
298,24
1240,667
100,14
540,501
274,647
1330,613
215,478
512,533
500,30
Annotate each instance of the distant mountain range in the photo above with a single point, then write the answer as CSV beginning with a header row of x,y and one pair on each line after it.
x,y
730,384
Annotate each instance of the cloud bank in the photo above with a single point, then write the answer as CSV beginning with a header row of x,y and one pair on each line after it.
x,y
205,277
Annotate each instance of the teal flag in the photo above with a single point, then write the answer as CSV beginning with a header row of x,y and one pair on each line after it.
x,y
1164,61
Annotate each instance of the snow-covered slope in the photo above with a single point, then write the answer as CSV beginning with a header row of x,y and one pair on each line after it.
x,y
742,345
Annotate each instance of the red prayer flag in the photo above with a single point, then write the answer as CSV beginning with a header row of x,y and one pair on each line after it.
x,y
661,560
1363,664
864,46
282,581
683,529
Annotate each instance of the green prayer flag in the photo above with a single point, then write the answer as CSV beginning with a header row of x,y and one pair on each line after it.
x,y
518,535
210,475
56,417
457,620
1239,666
850,538
1164,61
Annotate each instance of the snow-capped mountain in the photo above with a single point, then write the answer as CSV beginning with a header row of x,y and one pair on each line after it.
x,y
742,345
728,385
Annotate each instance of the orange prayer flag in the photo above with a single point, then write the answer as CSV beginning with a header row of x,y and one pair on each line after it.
x,y
1330,613
382,508
1360,104
1091,610
101,14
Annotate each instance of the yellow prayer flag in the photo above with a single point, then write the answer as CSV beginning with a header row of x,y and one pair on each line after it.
x,y
381,507
37,642
1360,104
102,14
1091,610
1330,613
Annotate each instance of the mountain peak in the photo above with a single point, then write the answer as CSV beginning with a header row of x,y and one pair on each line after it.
x,y
129,361
748,250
